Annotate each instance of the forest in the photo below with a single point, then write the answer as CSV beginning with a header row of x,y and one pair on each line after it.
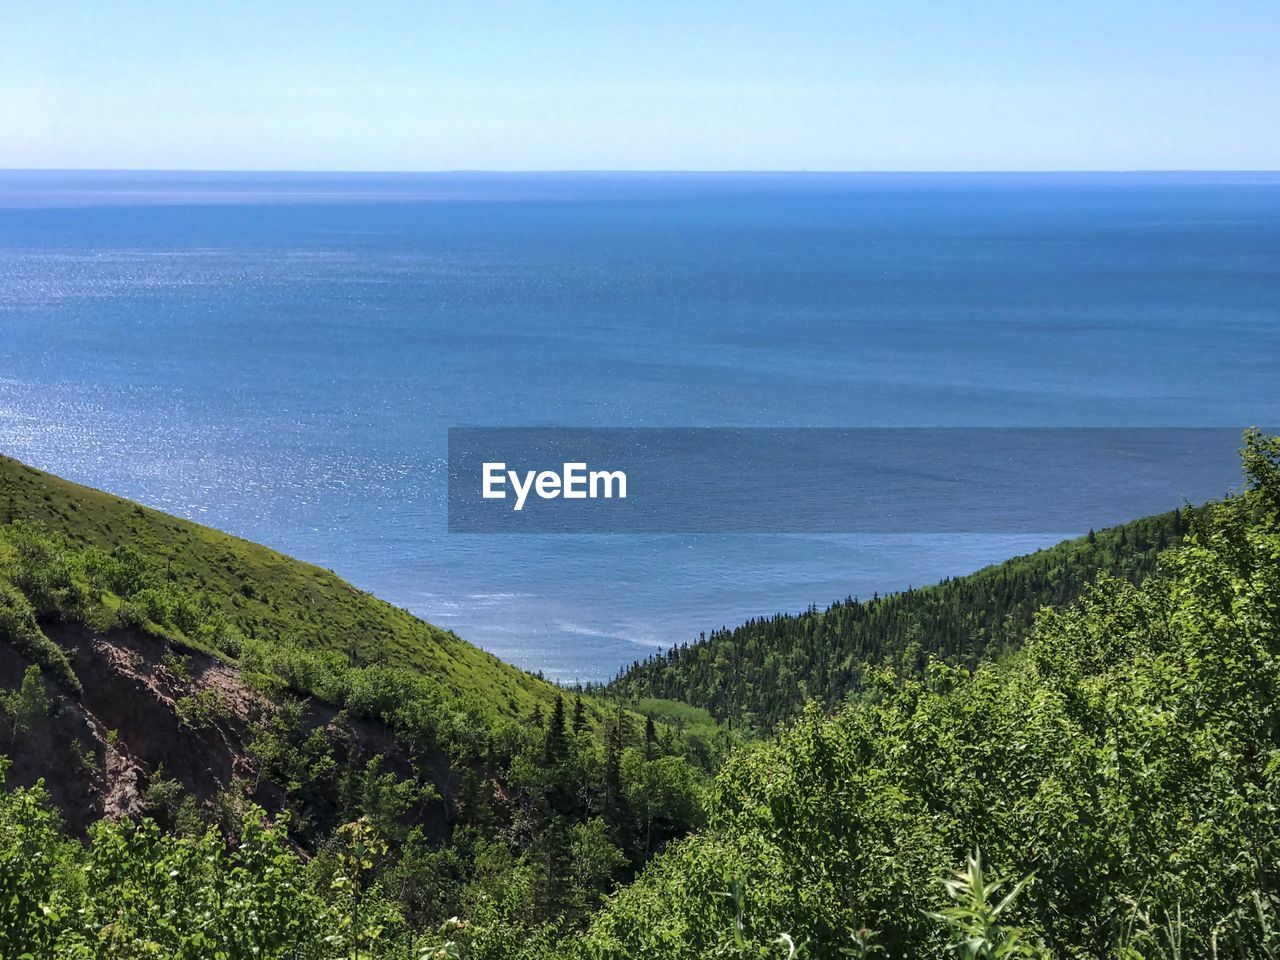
x,y
765,671
1074,754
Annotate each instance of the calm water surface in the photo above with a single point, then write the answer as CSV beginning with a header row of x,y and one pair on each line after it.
x,y
280,356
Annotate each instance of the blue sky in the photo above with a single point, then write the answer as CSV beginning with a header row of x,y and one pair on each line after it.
x,y
650,84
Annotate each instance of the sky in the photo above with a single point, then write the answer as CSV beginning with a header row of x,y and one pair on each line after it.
x,y
643,85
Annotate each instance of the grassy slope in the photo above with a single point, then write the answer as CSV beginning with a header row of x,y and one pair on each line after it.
x,y
265,593
683,716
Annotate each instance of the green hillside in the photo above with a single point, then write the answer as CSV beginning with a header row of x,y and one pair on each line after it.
x,y
264,594
1105,783
1123,767
764,671
165,686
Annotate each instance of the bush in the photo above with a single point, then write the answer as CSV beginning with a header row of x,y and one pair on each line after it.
x,y
19,629
1127,757
45,573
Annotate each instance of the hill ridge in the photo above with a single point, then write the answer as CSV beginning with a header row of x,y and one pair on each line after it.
x,y
264,593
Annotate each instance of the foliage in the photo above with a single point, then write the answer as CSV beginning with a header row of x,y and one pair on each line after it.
x,y
470,803
977,918
1128,757
19,629
212,589
762,673
26,707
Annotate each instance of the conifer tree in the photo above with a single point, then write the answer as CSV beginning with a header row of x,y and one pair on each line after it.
x,y
556,746
615,802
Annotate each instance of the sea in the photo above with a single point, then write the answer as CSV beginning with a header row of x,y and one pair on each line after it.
x,y
281,356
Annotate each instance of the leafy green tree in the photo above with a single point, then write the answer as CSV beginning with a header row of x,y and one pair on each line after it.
x,y
595,864
663,794
1126,755
360,850
38,872
28,706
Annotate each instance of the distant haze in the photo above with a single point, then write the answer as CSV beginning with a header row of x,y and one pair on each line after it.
x,y
570,84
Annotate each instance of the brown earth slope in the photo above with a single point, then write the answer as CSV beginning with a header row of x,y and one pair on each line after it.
x,y
149,712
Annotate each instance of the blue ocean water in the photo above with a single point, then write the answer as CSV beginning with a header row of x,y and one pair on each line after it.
x,y
280,356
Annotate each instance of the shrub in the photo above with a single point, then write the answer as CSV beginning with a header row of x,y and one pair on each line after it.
x,y
19,629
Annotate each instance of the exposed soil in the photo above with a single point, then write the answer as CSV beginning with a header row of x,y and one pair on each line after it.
x,y
147,707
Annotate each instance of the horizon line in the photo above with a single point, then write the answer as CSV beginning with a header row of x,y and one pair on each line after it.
x,y
664,171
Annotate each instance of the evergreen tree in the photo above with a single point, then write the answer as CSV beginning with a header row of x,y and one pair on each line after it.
x,y
554,886
615,801
764,671
556,745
